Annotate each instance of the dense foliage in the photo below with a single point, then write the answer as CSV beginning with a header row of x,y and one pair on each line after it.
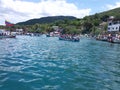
x,y
45,20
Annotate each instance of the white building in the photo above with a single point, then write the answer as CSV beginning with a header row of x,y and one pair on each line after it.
x,y
2,31
113,24
19,31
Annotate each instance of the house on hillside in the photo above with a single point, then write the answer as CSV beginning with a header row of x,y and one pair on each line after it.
x,y
113,24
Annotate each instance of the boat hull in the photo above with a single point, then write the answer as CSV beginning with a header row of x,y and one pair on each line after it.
x,y
8,36
116,41
67,39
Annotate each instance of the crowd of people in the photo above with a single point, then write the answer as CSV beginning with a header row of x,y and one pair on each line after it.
x,y
108,37
69,37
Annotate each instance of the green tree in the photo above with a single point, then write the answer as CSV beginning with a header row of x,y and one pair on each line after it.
x,y
87,27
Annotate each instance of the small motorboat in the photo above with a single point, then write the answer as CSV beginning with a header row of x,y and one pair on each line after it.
x,y
73,39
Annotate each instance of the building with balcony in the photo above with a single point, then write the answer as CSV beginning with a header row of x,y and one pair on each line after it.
x,y
113,24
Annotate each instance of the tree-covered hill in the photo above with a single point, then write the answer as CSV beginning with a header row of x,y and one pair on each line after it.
x,y
103,16
114,12
43,20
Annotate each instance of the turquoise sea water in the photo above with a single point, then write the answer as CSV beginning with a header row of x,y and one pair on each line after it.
x,y
41,63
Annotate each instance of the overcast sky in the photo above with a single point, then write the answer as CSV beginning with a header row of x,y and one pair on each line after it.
x,y
22,10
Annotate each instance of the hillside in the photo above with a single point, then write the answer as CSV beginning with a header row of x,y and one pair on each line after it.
x,y
103,16
44,20
113,12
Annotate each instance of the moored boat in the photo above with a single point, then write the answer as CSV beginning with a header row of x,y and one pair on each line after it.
x,y
69,38
53,34
102,38
116,40
7,36
47,35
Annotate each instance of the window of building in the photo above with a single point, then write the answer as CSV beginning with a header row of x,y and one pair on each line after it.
x,y
110,23
108,28
115,22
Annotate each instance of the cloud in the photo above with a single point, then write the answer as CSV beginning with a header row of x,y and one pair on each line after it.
x,y
116,5
20,10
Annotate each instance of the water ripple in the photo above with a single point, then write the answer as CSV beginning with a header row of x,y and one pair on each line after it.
x,y
40,63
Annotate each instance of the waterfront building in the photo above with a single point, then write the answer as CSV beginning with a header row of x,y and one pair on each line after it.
x,y
4,32
113,24
19,31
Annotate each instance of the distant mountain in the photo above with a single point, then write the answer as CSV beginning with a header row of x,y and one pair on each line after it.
x,y
44,20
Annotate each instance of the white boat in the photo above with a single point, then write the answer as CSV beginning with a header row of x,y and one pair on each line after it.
x,y
5,34
73,38
53,34
116,40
